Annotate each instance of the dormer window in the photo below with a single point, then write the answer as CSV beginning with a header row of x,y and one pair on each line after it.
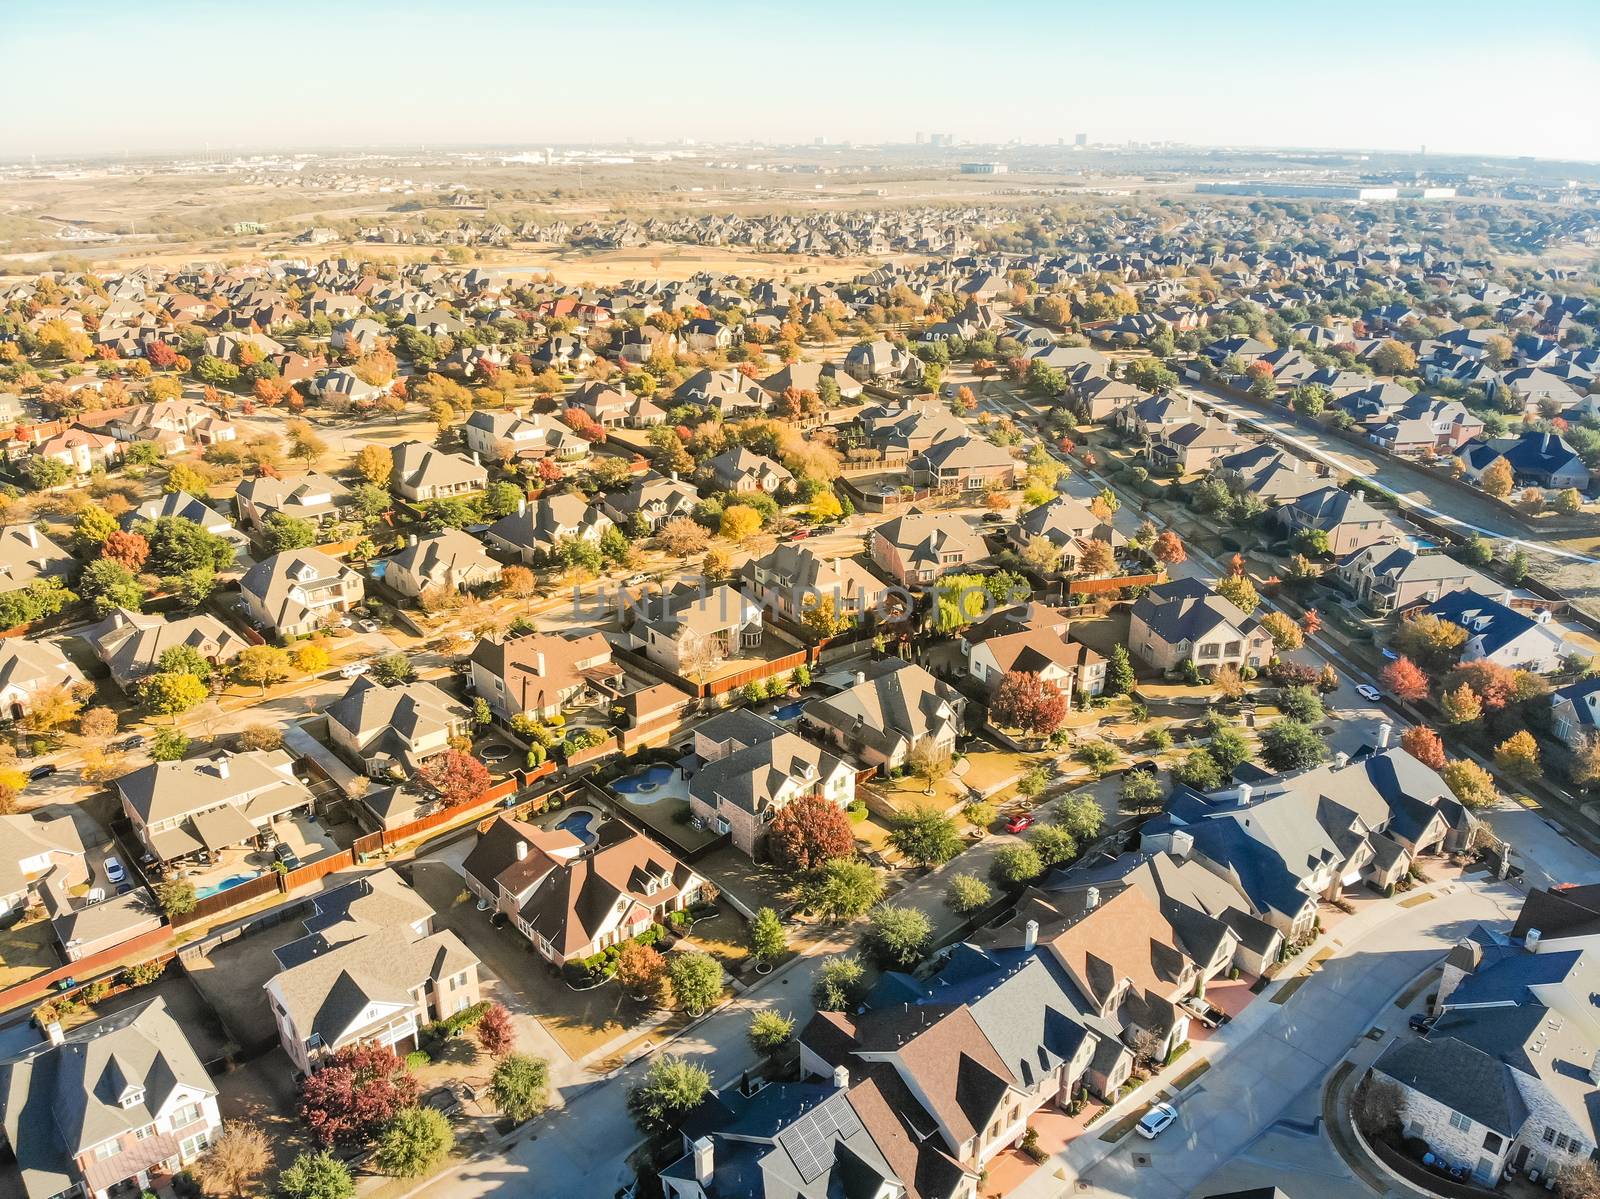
x,y
131,1096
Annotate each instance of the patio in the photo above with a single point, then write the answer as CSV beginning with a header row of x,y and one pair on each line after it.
x,y
1009,1168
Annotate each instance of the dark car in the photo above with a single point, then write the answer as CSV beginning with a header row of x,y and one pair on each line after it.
x,y
41,772
993,518
286,855
1421,1023
127,743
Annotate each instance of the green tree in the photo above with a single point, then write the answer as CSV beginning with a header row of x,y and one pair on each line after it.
x,y
897,935
1290,744
1229,748
178,545
416,1141
696,980
110,585
1052,843
967,893
767,938
520,1086
185,659
317,1175
176,896
838,984
1016,864
770,1031
93,526
670,1090
169,745
1200,771
171,694
280,533
1141,789
1080,815
1119,671
393,669
1301,703
926,836
846,889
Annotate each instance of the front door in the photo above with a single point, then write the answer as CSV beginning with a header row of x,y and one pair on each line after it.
x,y
1521,1162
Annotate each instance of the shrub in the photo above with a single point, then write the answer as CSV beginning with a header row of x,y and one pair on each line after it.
x,y
1016,864
770,1031
838,984
417,1140
967,893
897,935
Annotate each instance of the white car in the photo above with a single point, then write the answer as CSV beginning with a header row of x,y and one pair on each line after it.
x,y
1156,1120
354,670
114,872
1368,692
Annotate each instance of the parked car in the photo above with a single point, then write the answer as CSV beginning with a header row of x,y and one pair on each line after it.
x,y
1421,1023
1368,692
636,580
41,772
134,742
1156,1120
1206,1012
367,626
115,871
993,518
354,670
799,535
1020,822
286,855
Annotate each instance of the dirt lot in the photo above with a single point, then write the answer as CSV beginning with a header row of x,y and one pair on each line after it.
x,y
231,979
26,950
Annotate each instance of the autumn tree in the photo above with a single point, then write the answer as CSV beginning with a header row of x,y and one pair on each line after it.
x,y
1238,591
1097,558
1423,744
1498,479
1026,701
375,464
1285,634
1394,358
494,1031
682,537
739,523
640,969
126,548
1469,782
458,778
261,666
1518,756
1168,549
355,1093
808,833
235,1162
1461,705
1404,678
518,582
1430,641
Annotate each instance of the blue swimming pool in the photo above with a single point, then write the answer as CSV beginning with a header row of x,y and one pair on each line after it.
x,y
790,711
647,780
233,880
580,824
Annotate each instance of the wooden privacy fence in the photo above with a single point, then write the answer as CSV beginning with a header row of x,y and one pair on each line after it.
x,y
83,970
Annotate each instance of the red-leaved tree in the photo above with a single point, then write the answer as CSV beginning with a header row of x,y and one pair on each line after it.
x,y
1169,548
354,1095
494,1031
128,548
1404,678
1424,745
809,833
459,778
1025,701
162,356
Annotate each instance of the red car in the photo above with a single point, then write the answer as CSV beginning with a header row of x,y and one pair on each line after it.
x,y
1020,822
799,534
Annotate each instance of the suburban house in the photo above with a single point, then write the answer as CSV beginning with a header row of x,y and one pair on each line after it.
x,y
28,667
83,450
1042,648
186,507
27,554
423,473
1192,446
791,578
963,464
538,674
392,730
689,632
114,1107
534,532
1183,620
495,435
881,361
449,559
649,502
1066,523
1508,1077
1389,578
1542,460
1424,426
199,807
131,643
1499,633
755,768
313,497
293,593
1267,473
742,470
920,546
35,847
1289,842
893,708
1576,715
1349,521
611,405
369,970
573,897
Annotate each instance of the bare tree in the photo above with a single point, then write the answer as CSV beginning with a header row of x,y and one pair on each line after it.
x,y
235,1162
1378,1108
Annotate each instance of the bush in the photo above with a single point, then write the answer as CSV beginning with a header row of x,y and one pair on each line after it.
x,y
967,893
838,984
417,1059
1016,864
770,1031
418,1139
896,936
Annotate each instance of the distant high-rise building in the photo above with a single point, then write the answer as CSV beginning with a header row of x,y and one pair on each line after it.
x,y
922,138
1081,140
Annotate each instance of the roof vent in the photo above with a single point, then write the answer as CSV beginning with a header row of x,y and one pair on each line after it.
x,y
522,850
1530,940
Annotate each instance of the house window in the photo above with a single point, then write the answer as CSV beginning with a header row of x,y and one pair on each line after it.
x,y
195,1145
1549,1136
1460,1122
1492,1142
1561,1143
187,1114
109,1149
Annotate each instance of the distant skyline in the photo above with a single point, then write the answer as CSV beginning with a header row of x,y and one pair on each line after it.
x,y
1459,76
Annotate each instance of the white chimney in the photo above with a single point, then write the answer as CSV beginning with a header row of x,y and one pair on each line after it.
x,y
674,476
1030,934
522,850
222,767
861,677
705,1161
522,506
841,1078
31,532
411,540
1182,844
1385,731
53,1031
1530,940
475,461
1091,899
1506,599
1341,759
538,663
1244,795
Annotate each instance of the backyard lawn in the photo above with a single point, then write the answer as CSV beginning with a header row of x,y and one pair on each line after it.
x,y
25,951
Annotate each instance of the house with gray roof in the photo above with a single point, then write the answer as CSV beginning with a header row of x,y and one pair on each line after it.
x,y
1576,715
1349,521
131,643
918,547
26,555
391,731
292,593
1387,577
34,847
186,507
1499,633
200,806
450,559
892,708
423,473
1184,620
29,667
313,497
116,1106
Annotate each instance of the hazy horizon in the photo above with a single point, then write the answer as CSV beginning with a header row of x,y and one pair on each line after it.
x,y
176,75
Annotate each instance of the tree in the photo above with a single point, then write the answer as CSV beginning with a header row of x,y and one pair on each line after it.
x,y
1285,634
640,969
1016,864
520,1086
458,778
1569,502
311,658
1168,549
1404,678
392,669
1579,1178
127,549
1229,748
838,984
416,1141
178,545
44,473
1097,558
494,1031
846,889
261,666
823,617
1498,479
261,736
1423,744
1429,640
1301,703
110,585
696,980
770,1031
1469,782
1394,358
926,836
316,1176
93,526
1027,701
280,533
767,938
171,694
967,893
518,582
235,1161
177,896
375,465
184,659
1518,756
1461,706
808,833
1238,591
49,709
97,724
1119,671
1290,744
1378,1108
682,537
1052,843
670,1090
739,523
355,1093
1141,790
169,745
897,935
1199,771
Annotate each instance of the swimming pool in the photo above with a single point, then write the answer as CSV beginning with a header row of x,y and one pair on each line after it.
x,y
647,780
233,880
790,711
580,824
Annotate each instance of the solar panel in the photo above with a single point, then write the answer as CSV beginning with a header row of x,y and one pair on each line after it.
x,y
809,1140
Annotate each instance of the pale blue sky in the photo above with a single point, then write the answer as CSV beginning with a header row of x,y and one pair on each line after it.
x,y
1458,75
